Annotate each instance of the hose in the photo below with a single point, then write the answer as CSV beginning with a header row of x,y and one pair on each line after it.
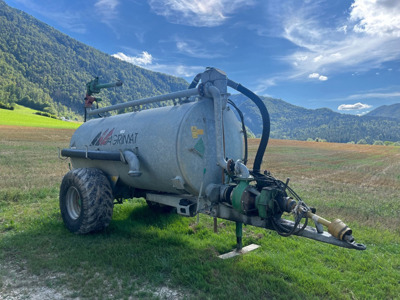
x,y
265,119
195,81
294,230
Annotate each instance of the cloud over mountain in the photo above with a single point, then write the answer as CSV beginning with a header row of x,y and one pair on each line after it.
x,y
355,106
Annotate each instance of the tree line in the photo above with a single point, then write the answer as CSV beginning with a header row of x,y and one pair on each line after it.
x,y
292,122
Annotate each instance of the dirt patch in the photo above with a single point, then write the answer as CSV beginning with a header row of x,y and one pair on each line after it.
x,y
16,284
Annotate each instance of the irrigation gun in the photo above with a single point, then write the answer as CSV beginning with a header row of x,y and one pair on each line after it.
x,y
93,87
189,157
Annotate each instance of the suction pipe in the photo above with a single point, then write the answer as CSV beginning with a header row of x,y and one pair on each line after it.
x,y
265,119
216,95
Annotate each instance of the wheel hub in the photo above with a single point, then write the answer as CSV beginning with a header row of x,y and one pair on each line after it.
x,y
73,203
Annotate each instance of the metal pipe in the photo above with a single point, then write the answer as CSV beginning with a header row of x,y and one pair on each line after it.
x,y
318,219
216,95
171,96
133,163
241,170
95,155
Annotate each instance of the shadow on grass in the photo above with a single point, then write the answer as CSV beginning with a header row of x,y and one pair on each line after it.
x,y
142,248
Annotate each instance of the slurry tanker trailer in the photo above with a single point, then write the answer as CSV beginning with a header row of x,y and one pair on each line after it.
x,y
190,157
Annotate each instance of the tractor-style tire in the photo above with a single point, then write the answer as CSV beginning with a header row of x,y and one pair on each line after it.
x,y
86,200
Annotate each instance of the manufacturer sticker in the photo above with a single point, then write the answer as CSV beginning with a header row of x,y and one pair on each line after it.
x,y
196,132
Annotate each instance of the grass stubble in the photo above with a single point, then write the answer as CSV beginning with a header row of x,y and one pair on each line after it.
x,y
147,255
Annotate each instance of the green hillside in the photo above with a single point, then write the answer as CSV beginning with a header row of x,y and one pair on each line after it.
x,y
23,116
45,69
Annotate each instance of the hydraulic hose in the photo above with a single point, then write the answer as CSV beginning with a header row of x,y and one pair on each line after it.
x,y
265,120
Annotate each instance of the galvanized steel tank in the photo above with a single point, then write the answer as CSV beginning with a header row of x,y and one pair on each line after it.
x,y
174,145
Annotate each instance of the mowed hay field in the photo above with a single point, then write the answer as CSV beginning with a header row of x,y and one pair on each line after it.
x,y
148,255
359,183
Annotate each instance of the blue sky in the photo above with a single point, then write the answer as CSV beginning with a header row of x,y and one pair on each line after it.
x,y
344,55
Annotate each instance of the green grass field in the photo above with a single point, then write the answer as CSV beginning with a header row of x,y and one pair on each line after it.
x,y
23,116
146,255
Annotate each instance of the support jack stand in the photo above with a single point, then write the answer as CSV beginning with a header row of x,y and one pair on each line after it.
x,y
244,250
239,250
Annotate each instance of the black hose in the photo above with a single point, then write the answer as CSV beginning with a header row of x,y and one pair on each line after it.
x,y
243,129
294,230
265,119
195,81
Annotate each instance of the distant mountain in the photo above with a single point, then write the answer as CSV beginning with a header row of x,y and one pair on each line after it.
x,y
386,111
294,122
45,69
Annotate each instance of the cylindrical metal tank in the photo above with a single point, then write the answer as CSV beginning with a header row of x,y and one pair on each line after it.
x,y
174,145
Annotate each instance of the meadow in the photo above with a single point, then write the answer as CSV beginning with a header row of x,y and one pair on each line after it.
x,y
149,255
27,117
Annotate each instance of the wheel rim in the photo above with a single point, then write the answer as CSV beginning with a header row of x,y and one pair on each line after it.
x,y
73,203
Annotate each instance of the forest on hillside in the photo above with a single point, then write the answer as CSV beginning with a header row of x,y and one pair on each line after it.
x,y
45,69
293,122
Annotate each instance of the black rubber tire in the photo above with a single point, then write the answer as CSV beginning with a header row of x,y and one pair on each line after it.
x,y
86,200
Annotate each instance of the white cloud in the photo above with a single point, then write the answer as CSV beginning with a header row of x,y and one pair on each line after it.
x,y
178,70
379,17
336,55
66,17
316,75
363,113
146,60
108,5
195,49
107,9
302,57
343,29
318,58
142,60
374,95
355,106
205,13
363,39
69,20
322,78
265,84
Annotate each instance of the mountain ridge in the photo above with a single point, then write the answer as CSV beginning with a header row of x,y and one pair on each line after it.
x,y
45,69
289,121
386,111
